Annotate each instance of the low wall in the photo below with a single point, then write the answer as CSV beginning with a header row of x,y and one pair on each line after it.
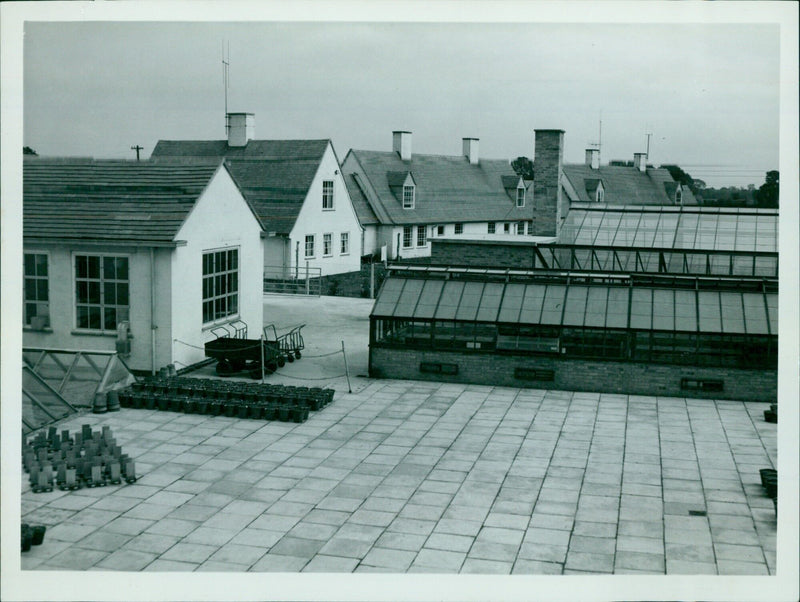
x,y
351,284
572,374
510,254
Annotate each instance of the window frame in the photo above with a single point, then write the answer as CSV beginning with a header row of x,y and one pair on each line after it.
x,y
408,237
413,196
344,243
439,230
491,227
313,240
327,244
458,228
522,204
102,281
327,196
422,238
26,320
212,276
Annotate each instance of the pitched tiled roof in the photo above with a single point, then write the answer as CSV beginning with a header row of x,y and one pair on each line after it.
x,y
623,185
448,188
119,201
273,175
362,207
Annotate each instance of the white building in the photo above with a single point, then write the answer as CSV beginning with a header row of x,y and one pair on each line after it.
x,y
137,257
296,190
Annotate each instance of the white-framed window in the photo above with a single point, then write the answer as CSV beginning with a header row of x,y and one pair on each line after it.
x,y
600,194
408,233
327,245
520,196
679,196
408,196
521,228
506,228
440,231
36,293
344,243
490,228
309,246
101,291
327,195
459,229
421,236
220,284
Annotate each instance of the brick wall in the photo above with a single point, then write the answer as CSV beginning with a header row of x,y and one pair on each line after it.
x,y
548,162
352,284
510,254
575,375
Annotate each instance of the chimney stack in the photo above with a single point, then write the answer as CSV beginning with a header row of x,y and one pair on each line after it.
x,y
470,149
401,144
548,164
593,158
640,161
241,128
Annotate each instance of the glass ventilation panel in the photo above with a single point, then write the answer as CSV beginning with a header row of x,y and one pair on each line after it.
x,y
685,311
663,309
553,305
575,306
665,233
641,308
772,312
745,233
387,300
617,309
732,313
708,311
596,307
512,303
448,303
531,311
408,299
470,300
490,302
646,230
429,298
706,232
726,232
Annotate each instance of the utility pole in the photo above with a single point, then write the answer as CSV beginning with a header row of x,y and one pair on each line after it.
x,y
137,148
226,64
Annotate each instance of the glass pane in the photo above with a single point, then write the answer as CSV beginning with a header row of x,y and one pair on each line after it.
x,y
30,264
512,303
596,307
387,299
30,312
408,299
41,285
122,294
708,311
448,302
732,313
755,313
617,311
82,292
108,268
685,311
429,298
575,307
41,265
206,264
641,308
207,312
468,308
30,289
94,292
81,270
233,260
94,266
110,318
110,293
122,268
490,302
663,310
553,305
531,311
233,304
94,318
772,309
82,316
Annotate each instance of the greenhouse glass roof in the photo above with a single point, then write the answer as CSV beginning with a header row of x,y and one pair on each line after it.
x,y
706,228
586,305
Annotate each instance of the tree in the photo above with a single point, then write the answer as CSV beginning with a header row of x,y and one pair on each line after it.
x,y
523,166
768,193
681,176
27,150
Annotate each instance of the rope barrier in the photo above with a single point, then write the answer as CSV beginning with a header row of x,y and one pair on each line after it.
x,y
305,355
306,378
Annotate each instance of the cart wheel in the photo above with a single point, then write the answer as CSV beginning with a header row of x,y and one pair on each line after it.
x,y
224,368
298,355
255,373
281,361
271,367
290,358
238,365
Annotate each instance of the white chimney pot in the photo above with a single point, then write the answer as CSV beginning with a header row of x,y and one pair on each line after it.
x,y
470,149
593,158
640,161
241,128
401,144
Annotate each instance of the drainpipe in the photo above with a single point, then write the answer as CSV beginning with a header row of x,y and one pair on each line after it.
x,y
153,312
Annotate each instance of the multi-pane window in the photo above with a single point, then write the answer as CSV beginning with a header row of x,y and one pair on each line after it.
x,y
521,228
327,194
309,245
600,195
220,284
407,237
421,236
344,243
490,228
520,196
36,293
408,197
459,229
679,196
101,291
327,244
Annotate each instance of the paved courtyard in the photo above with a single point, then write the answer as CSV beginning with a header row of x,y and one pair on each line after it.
x,y
404,476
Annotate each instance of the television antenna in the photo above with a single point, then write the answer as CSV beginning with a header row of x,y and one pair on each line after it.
x,y
598,145
648,131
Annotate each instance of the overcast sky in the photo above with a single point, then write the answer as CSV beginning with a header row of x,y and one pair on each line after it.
x,y
708,93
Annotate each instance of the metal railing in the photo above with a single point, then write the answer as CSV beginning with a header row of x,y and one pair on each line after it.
x,y
298,280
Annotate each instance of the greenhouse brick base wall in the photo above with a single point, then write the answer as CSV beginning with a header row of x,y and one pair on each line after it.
x,y
575,375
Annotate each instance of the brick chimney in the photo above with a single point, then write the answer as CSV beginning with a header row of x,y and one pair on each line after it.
x,y
640,161
470,149
401,144
241,128
547,196
593,158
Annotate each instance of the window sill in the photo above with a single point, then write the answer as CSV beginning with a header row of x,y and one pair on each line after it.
x,y
344,254
95,333
218,323
310,257
29,329
326,256
329,209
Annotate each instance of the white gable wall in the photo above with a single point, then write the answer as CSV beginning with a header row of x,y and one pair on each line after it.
x,y
220,219
314,220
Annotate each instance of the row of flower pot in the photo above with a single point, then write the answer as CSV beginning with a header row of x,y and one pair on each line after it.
x,y
771,415
31,535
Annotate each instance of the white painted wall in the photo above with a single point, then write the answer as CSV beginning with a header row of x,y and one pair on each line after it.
x,y
220,219
61,291
314,220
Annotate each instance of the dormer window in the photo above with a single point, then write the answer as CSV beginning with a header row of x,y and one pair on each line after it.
x,y
600,195
408,196
520,195
679,196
